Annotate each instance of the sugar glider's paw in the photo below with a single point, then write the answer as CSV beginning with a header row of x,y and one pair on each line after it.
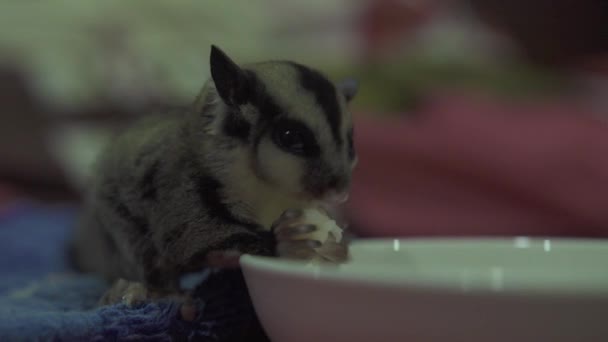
x,y
309,235
124,291
133,293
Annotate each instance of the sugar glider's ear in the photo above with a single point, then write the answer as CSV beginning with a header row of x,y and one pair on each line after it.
x,y
349,88
230,80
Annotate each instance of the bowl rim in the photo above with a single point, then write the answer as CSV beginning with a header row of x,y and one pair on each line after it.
x,y
300,270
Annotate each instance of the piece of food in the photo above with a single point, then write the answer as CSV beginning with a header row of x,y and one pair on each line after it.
x,y
327,229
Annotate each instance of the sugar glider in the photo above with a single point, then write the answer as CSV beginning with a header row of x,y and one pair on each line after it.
x,y
231,172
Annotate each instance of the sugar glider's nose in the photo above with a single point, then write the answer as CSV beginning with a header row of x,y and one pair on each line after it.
x,y
337,184
336,189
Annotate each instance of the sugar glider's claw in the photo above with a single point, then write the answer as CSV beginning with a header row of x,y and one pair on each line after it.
x,y
298,249
292,214
286,220
292,232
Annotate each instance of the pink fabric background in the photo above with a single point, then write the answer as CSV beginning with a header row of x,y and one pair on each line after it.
x,y
468,166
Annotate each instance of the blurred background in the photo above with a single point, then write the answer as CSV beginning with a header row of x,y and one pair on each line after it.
x,y
481,117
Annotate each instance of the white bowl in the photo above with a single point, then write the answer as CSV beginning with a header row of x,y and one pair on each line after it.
x,y
438,290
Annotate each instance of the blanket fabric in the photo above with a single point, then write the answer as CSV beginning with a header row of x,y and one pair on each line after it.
x,y
42,300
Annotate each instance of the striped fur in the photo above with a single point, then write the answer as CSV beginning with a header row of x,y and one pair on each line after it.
x,y
217,175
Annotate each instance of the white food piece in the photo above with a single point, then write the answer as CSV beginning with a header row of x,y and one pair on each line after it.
x,y
326,227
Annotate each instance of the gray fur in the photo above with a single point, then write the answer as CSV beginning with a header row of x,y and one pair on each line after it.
x,y
173,188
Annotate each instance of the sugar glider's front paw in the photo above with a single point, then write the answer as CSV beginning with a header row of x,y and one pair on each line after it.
x,y
309,235
124,291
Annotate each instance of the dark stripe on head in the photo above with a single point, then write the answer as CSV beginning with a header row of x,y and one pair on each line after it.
x,y
261,100
267,107
236,126
325,94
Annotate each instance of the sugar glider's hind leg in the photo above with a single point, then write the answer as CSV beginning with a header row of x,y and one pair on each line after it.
x,y
133,292
124,291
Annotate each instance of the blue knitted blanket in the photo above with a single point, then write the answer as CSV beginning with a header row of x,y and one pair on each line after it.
x,y
42,300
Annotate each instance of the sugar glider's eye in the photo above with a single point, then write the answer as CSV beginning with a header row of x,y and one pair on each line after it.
x,y
294,137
